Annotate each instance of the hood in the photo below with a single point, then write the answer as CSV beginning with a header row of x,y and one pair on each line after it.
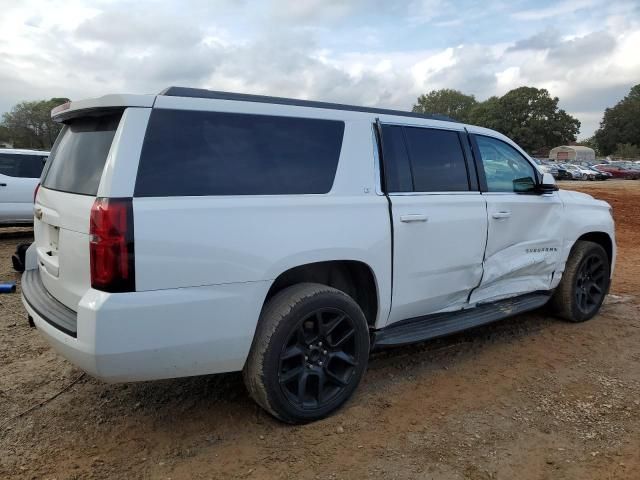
x,y
579,198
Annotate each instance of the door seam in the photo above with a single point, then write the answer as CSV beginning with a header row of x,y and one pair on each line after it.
x,y
484,254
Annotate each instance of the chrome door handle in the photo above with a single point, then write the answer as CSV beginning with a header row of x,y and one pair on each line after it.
x,y
413,217
500,215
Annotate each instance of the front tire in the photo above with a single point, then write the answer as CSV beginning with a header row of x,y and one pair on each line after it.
x,y
584,284
309,353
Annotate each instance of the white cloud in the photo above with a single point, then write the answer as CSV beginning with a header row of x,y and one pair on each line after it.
x,y
508,79
331,51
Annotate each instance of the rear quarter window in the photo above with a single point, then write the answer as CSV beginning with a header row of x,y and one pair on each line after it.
x,y
193,153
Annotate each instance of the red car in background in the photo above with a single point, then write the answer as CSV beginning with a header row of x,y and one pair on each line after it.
x,y
619,172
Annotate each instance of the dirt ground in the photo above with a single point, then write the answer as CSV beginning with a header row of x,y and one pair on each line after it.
x,y
529,398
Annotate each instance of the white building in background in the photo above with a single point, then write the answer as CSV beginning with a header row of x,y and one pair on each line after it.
x,y
572,153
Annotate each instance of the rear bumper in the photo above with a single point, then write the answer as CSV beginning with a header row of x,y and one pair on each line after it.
x,y
156,334
36,296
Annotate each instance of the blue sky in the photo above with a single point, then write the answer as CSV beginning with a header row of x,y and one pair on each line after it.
x,y
376,52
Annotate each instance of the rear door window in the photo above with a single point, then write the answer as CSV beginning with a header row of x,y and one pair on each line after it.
x,y
193,153
9,165
418,159
437,160
24,166
78,157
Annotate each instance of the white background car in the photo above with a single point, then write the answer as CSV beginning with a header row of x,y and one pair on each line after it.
x,y
587,173
198,232
19,175
575,172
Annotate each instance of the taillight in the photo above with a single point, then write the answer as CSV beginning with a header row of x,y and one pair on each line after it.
x,y
111,245
35,193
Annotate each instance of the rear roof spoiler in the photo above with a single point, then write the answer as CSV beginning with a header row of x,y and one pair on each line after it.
x,y
107,102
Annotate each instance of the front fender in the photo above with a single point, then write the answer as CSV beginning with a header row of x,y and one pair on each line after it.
x,y
583,215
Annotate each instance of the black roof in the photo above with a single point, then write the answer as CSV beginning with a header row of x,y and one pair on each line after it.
x,y
245,97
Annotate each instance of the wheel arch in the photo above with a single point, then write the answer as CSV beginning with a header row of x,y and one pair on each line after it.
x,y
601,238
355,278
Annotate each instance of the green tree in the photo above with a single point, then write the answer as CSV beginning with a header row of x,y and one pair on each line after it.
x,y
4,134
620,124
29,124
529,116
487,113
627,150
452,103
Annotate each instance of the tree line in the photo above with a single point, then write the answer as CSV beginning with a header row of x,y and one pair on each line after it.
x,y
528,115
532,118
29,124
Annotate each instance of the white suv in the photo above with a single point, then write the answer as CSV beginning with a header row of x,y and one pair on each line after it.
x,y
19,174
196,232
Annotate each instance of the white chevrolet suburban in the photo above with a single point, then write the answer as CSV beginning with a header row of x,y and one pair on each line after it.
x,y
196,232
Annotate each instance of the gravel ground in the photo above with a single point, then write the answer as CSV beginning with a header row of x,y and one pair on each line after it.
x,y
529,397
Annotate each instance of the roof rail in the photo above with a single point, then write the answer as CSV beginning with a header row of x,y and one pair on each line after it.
x,y
245,97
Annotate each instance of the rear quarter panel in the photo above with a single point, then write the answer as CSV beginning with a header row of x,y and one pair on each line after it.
x,y
213,240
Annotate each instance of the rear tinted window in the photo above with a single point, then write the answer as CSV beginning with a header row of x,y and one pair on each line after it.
x,y
79,154
437,160
190,153
25,166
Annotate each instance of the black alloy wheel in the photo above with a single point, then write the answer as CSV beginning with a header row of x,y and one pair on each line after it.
x,y
584,283
319,358
591,283
309,352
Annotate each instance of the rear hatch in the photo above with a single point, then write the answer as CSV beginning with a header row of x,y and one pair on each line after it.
x,y
63,203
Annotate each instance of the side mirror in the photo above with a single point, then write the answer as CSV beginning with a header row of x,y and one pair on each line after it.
x,y
524,185
548,184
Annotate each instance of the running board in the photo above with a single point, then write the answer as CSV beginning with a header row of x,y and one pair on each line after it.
x,y
441,324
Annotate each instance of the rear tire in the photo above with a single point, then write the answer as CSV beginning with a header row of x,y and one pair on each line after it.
x,y
309,353
584,284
